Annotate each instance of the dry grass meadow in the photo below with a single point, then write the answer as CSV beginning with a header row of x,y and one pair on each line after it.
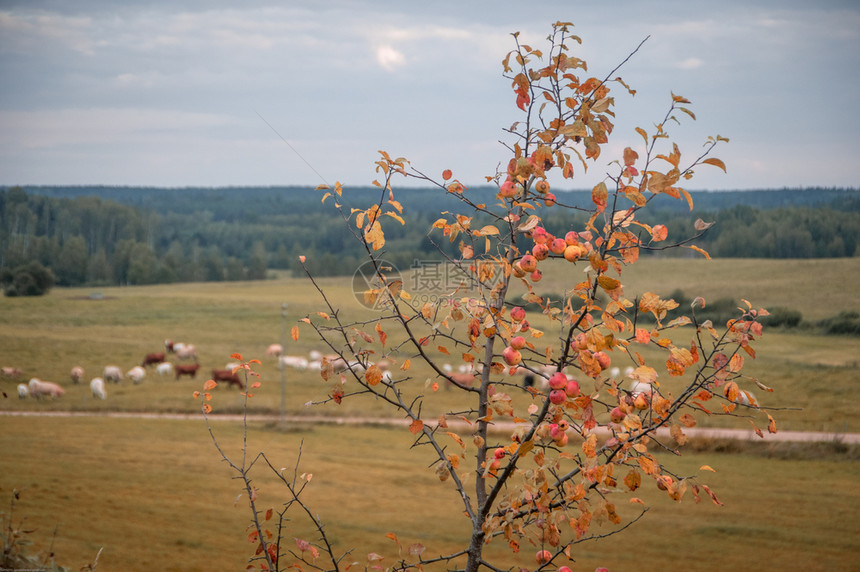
x,y
154,494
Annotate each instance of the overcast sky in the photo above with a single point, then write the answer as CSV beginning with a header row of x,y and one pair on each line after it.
x,y
167,93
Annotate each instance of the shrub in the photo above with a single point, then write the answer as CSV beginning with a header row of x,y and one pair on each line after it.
x,y
31,279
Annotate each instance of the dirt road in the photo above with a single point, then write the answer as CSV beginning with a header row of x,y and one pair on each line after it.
x,y
505,426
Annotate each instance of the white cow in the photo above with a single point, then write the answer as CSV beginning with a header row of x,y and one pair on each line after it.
x,y
112,373
97,386
38,388
136,374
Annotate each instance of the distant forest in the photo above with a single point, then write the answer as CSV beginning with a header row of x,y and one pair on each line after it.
x,y
100,236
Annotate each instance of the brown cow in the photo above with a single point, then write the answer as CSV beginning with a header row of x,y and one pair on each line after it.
x,y
464,380
228,376
152,359
189,370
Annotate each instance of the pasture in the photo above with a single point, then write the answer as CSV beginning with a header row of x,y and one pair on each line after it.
x,y
155,496
154,493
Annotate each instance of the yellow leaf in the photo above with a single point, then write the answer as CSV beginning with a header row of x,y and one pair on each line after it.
x,y
489,229
374,236
530,223
715,162
700,251
642,132
707,468
395,216
607,282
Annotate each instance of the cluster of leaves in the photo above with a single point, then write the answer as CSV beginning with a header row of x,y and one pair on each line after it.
x,y
583,437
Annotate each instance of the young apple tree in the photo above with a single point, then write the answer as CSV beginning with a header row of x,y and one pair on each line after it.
x,y
580,430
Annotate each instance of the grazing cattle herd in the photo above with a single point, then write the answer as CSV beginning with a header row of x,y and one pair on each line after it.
x,y
113,374
464,376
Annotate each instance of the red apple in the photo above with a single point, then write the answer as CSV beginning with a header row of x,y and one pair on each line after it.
x,y
557,246
557,396
540,251
616,415
528,263
508,189
499,453
517,313
572,252
558,381
518,342
572,388
542,187
571,237
549,199
603,360
540,235
536,275
511,356
543,556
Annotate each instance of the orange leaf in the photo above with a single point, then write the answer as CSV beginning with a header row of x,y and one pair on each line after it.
x,y
416,426
236,356
456,438
295,333
659,232
210,384
382,335
373,375
715,162
446,174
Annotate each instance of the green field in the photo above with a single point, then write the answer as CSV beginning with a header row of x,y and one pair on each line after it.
x,y
156,496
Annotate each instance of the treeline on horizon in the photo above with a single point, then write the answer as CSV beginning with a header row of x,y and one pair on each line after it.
x,y
100,235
